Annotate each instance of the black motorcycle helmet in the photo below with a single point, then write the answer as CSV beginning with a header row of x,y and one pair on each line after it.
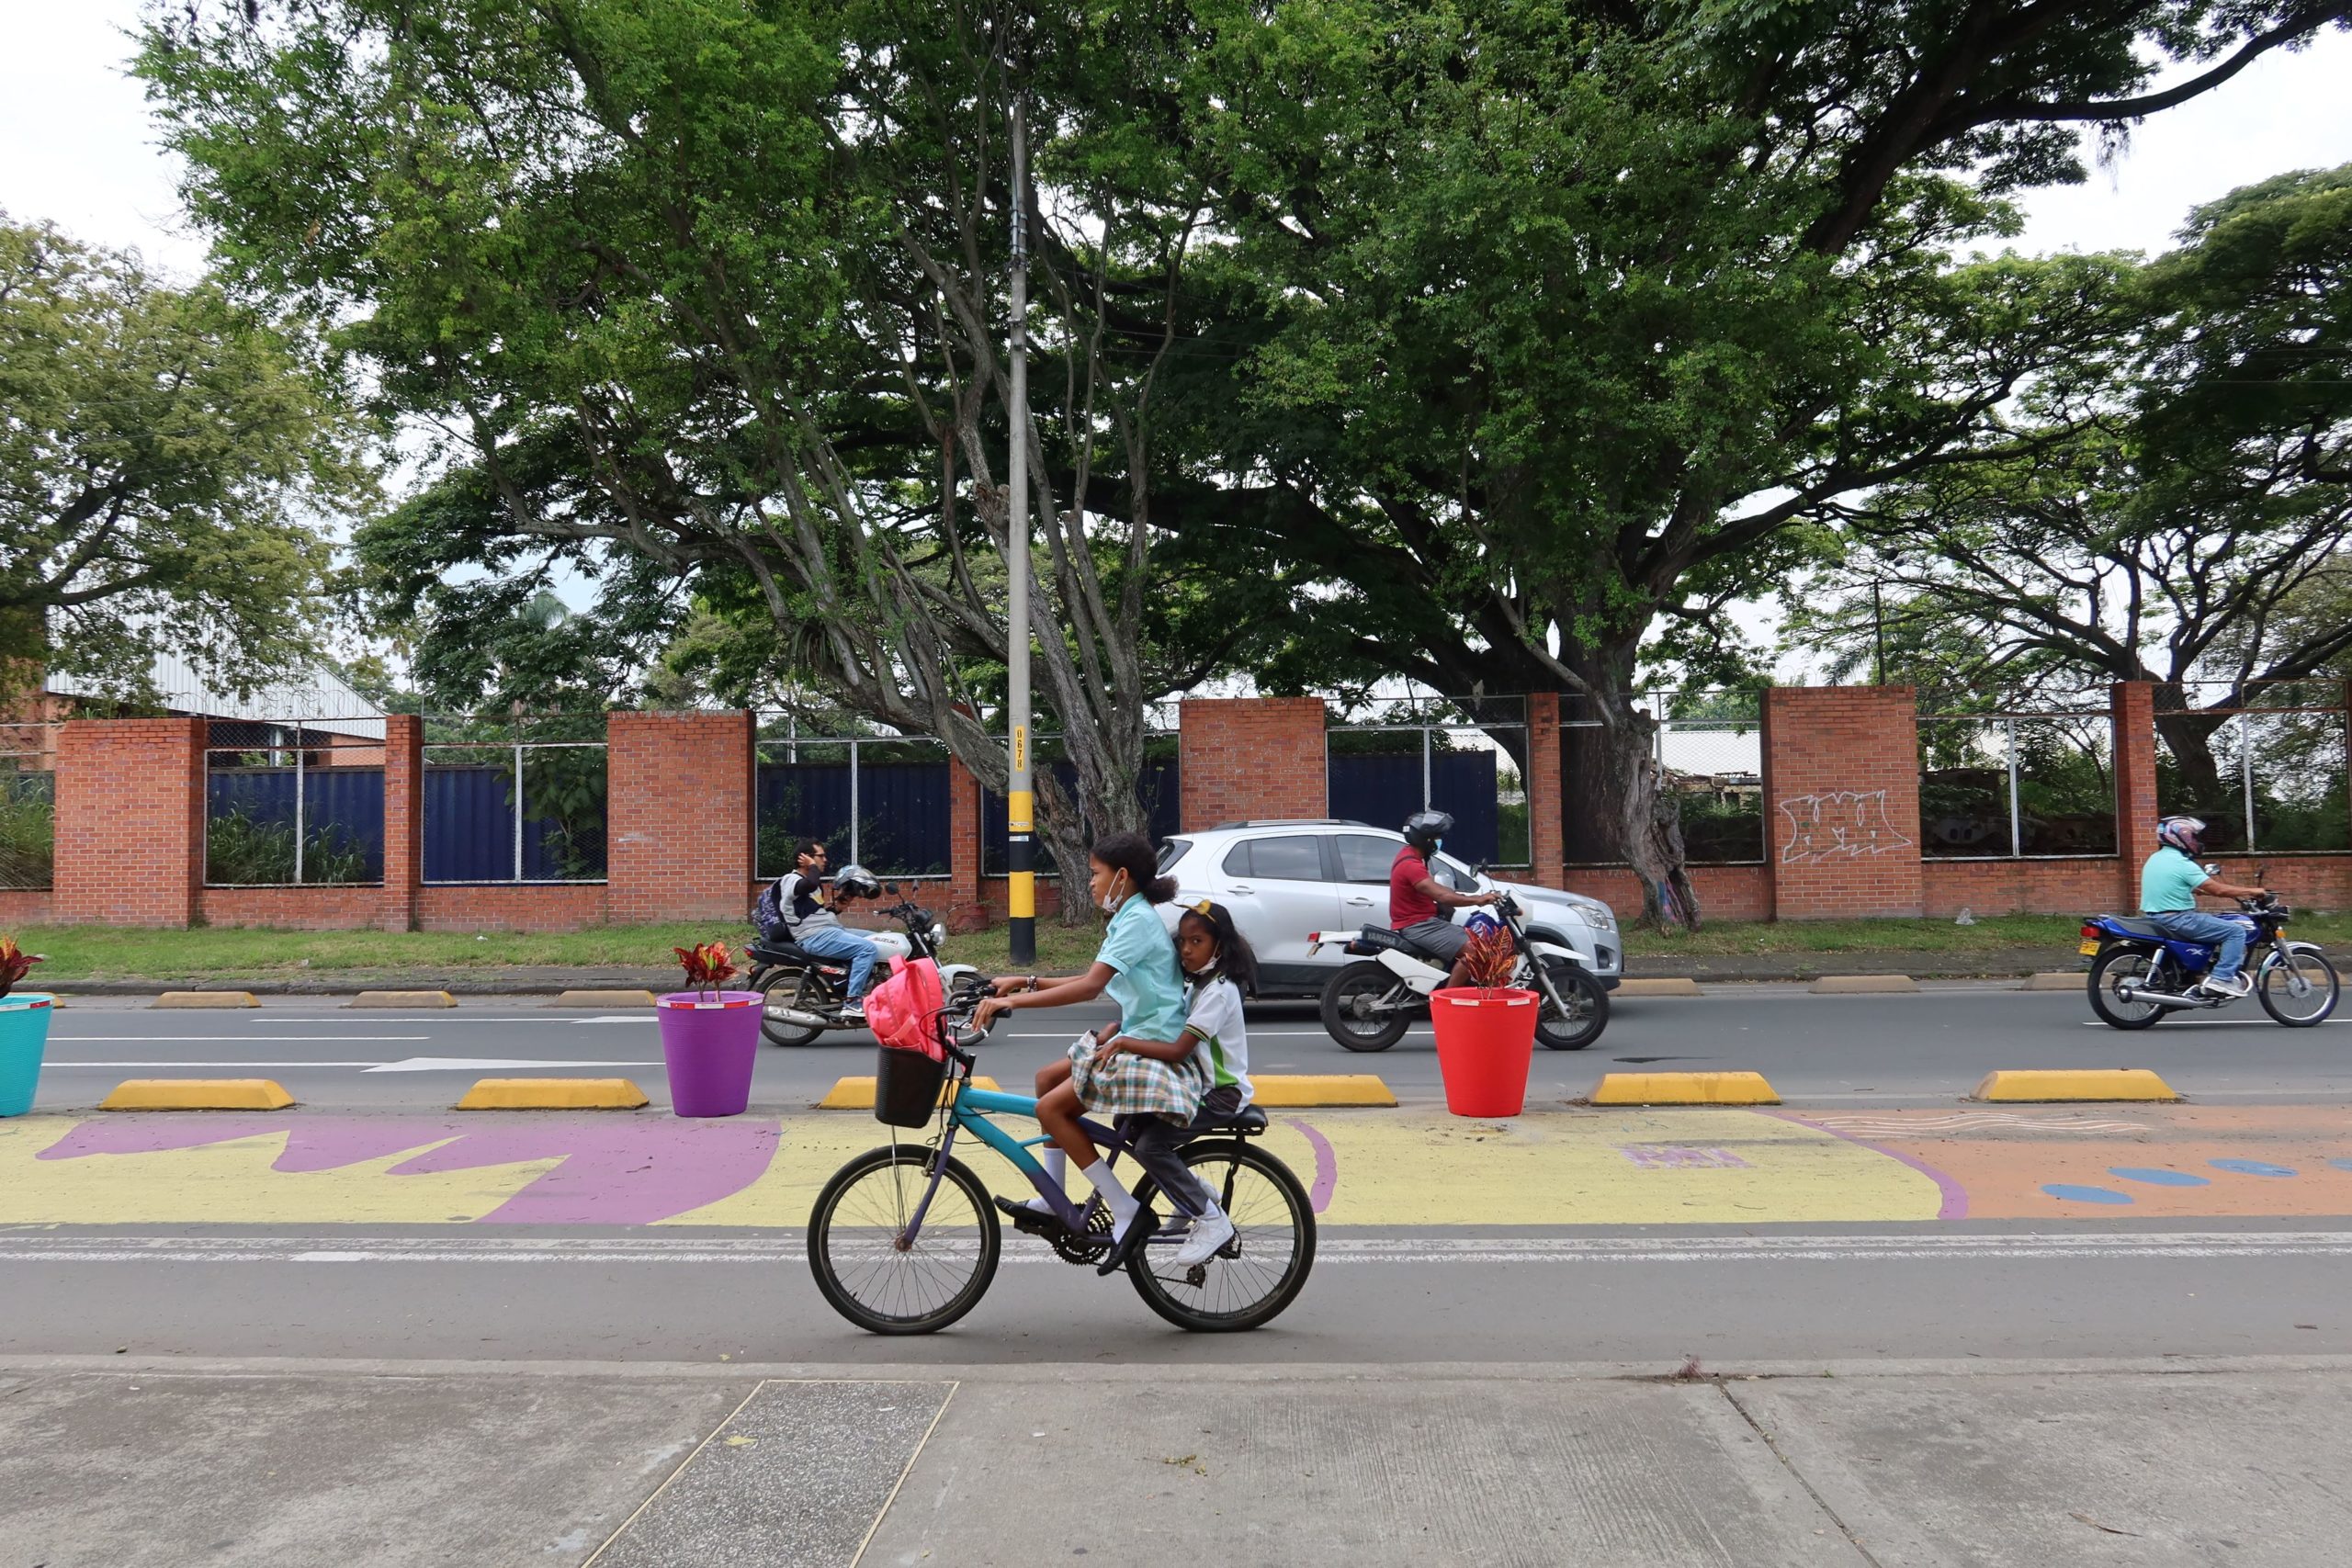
x,y
855,882
1424,829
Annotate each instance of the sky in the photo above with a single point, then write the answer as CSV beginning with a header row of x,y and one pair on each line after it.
x,y
77,147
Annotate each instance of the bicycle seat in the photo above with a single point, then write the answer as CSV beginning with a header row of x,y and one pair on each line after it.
x,y
1249,1120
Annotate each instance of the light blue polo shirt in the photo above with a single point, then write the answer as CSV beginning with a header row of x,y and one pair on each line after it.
x,y
1149,986
2168,883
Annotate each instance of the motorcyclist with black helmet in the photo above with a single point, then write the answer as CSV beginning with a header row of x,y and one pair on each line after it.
x,y
1417,902
801,907
2169,884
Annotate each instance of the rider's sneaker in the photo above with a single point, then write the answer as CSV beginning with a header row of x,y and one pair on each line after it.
x,y
854,1012
2236,986
1209,1233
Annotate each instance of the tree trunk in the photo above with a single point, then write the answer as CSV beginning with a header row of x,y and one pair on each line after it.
x,y
2188,735
1623,792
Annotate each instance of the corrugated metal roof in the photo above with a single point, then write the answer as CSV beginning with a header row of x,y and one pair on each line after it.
x,y
319,699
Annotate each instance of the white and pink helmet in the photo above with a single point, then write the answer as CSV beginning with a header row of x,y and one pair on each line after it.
x,y
2186,834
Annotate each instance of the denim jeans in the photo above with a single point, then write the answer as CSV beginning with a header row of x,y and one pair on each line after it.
x,y
839,942
2191,925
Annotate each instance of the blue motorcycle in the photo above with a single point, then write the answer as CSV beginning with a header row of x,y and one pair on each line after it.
x,y
2139,973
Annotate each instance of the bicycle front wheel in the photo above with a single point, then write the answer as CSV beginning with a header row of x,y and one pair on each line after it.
x,y
869,1268
1261,1271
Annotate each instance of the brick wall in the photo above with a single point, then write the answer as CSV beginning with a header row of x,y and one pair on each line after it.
x,y
678,823
965,909
129,821
1725,891
2075,886
1246,758
2133,705
1842,795
566,907
328,908
24,907
403,823
1547,847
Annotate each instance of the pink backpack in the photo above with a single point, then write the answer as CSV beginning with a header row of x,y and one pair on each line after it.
x,y
900,1009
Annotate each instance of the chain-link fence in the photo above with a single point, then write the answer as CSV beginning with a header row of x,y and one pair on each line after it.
x,y
1389,758
28,805
2265,765
519,800
293,803
878,801
1709,749
2016,786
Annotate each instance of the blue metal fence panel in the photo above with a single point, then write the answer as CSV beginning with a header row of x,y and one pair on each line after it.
x,y
469,825
1382,791
1156,788
903,813
341,808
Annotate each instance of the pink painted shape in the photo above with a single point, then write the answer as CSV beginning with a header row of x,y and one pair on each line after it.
x,y
613,1172
1327,1165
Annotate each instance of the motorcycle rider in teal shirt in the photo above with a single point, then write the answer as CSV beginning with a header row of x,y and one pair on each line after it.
x,y
2169,884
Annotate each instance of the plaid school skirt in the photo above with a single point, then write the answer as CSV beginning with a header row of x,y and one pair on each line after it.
x,y
1129,1084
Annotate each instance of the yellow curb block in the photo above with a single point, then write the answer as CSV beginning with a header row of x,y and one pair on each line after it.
x,y
198,1094
402,1000
552,1094
2081,1083
604,999
857,1094
1862,985
1292,1091
206,999
2053,981
1680,986
1683,1089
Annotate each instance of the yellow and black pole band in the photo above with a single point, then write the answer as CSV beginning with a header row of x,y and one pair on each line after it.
x,y
1021,855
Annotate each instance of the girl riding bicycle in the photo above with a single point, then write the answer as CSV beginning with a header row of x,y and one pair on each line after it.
x,y
1137,965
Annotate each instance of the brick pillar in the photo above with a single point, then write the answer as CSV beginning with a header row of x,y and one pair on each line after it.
x,y
2133,708
1547,843
678,816
1244,758
1842,786
403,820
130,822
966,909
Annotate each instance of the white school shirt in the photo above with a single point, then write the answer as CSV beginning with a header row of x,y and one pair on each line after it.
x,y
1213,1012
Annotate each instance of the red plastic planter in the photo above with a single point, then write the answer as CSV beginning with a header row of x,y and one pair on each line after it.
x,y
1485,1043
710,1050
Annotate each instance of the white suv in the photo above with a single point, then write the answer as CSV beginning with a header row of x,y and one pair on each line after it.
x,y
1283,880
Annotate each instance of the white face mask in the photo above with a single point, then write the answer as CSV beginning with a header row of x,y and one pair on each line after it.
x,y
1113,899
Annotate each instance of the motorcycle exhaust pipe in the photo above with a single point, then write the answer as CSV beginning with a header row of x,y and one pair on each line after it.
x,y
2156,998
805,1019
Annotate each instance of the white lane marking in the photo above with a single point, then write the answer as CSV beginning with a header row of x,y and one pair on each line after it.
x,y
2225,1023
248,1062
1974,1120
471,1064
228,1039
787,1246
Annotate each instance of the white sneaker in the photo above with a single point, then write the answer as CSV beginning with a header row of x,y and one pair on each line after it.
x,y
854,1012
2237,985
1209,1233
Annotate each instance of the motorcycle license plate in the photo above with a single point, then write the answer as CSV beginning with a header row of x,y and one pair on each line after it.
x,y
2088,950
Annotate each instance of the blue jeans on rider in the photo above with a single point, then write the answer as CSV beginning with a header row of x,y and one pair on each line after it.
x,y
839,942
2191,925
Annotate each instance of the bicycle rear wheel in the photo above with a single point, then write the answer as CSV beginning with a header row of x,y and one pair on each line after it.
x,y
855,1253
1261,1271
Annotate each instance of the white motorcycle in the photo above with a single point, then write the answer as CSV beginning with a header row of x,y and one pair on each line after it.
x,y
1368,1006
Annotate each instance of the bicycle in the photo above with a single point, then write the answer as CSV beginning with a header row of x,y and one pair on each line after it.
x,y
904,1239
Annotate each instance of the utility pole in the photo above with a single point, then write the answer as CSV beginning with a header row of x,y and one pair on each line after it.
x,y
1020,842
1878,619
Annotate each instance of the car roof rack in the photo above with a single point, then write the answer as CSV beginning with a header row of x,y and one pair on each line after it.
x,y
1293,822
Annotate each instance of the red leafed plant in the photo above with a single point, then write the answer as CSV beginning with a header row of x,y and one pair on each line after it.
x,y
1488,958
708,966
14,963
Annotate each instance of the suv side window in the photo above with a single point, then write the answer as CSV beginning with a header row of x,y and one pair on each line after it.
x,y
1298,858
1236,860
1364,858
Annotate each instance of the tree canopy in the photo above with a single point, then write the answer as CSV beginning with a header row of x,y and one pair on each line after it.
x,y
168,461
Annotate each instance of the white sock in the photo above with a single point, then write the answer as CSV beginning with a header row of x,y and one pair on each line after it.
x,y
1057,1163
1117,1198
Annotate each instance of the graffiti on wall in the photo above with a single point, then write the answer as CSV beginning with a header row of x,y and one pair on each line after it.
x,y
1842,823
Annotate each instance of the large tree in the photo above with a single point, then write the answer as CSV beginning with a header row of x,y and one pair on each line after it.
x,y
717,285
1571,315
169,459
2185,518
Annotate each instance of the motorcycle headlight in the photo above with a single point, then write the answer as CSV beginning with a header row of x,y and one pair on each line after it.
x,y
939,933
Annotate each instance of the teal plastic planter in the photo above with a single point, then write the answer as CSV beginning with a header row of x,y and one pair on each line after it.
x,y
24,1035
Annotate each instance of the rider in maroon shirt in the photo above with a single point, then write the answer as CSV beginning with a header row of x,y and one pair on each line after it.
x,y
1416,900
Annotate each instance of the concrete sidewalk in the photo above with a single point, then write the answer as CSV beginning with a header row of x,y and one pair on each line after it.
x,y
1921,1465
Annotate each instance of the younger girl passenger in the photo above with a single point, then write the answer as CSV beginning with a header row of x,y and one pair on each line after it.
x,y
1222,968
1137,965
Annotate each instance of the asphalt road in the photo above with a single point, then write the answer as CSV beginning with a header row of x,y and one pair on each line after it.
x,y
1930,1047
